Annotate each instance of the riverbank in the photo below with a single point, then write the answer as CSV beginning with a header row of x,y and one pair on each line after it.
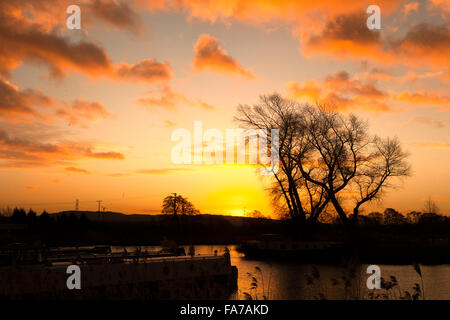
x,y
391,243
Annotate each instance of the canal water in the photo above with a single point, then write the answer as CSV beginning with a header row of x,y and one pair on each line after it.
x,y
289,280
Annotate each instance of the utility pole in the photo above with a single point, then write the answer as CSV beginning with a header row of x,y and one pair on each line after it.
x,y
100,213
76,205
99,203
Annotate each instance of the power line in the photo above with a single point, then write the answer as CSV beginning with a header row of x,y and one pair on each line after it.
x,y
69,205
17,204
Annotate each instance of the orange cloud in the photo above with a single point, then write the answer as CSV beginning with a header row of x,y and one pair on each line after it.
x,y
23,151
409,7
346,36
24,39
83,110
261,11
104,155
118,175
442,6
19,104
425,44
209,55
411,76
340,91
119,14
169,99
77,170
343,35
427,121
324,28
362,93
147,70
434,145
29,104
424,97
162,171
332,27
309,90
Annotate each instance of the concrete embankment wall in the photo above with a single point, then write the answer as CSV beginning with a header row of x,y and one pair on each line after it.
x,y
203,277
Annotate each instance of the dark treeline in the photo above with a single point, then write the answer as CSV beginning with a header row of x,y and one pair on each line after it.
x,y
45,221
26,226
391,216
85,228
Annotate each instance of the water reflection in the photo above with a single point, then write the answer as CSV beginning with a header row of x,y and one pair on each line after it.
x,y
299,281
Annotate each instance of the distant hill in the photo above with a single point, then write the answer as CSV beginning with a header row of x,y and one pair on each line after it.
x,y
118,217
117,228
108,216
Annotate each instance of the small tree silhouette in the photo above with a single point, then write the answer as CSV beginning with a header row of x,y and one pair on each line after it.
x,y
255,214
19,216
391,216
430,206
177,204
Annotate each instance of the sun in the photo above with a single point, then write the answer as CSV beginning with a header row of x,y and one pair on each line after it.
x,y
239,212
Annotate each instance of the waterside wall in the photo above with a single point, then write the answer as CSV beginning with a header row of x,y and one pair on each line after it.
x,y
200,277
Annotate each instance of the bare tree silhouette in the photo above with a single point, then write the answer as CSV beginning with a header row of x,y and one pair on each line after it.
x,y
326,158
430,206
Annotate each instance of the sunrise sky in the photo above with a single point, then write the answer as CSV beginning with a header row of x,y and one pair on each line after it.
x,y
88,114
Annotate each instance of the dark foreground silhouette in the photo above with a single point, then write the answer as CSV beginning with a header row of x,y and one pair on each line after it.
x,y
398,241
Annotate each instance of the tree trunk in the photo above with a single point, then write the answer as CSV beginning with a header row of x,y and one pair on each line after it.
x,y
339,209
